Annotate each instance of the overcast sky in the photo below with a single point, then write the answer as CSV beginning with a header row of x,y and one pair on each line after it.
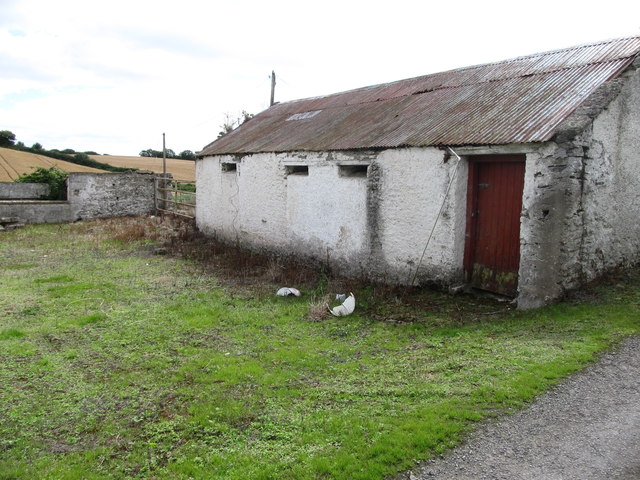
x,y
112,76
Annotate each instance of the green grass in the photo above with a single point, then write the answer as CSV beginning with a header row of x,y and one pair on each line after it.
x,y
115,363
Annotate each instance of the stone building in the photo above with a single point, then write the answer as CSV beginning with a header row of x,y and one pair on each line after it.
x,y
520,177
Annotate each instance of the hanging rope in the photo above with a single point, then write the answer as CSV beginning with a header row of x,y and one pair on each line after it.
x,y
444,200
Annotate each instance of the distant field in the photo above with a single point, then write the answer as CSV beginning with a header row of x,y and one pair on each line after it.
x,y
180,169
14,163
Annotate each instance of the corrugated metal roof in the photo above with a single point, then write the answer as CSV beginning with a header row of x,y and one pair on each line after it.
x,y
514,101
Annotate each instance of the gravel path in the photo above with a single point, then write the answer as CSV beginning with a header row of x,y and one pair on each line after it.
x,y
586,428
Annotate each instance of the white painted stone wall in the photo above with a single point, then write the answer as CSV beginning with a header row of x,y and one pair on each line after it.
x,y
612,189
326,213
581,203
375,225
413,187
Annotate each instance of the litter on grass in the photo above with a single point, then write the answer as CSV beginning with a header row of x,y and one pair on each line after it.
x,y
286,291
345,308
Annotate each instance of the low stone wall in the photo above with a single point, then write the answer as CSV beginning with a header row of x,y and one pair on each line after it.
x,y
37,211
23,191
89,195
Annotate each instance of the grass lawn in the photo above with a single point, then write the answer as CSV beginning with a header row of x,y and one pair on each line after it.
x,y
117,363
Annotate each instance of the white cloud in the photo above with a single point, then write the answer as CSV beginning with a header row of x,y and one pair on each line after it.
x,y
113,76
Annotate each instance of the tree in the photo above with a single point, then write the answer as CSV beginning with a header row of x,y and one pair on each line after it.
x,y
7,138
81,158
231,123
151,153
37,146
187,155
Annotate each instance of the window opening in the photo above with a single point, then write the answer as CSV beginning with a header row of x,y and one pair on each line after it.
x,y
297,170
353,170
229,167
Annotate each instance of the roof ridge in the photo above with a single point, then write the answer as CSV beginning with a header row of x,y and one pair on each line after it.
x,y
499,79
471,67
542,54
451,87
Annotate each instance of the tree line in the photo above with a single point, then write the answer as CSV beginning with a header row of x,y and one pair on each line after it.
x,y
8,140
184,155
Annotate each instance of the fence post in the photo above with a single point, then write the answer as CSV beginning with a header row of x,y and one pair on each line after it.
x,y
155,194
162,191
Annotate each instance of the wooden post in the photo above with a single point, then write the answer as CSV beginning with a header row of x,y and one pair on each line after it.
x,y
164,158
273,87
156,192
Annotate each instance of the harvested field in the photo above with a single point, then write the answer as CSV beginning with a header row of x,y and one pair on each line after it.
x,y
14,163
180,169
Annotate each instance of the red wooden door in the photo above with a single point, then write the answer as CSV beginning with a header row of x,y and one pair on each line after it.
x,y
492,253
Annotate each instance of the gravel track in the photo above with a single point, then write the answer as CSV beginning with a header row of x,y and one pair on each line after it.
x,y
587,428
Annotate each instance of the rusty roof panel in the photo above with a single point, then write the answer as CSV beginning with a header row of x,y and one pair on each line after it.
x,y
515,101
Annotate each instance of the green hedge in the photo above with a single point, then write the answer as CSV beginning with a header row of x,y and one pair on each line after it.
x,y
54,177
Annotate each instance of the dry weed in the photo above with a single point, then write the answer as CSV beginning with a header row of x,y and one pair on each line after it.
x,y
130,233
319,309
237,265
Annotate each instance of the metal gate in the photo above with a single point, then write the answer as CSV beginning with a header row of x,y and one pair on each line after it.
x,y
492,253
177,197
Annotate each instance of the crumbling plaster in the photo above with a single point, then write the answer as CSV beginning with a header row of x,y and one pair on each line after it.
x,y
551,223
110,194
582,196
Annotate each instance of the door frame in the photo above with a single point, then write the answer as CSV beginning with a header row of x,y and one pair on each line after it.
x,y
471,229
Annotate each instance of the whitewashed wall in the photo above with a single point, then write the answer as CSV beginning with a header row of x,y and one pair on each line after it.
x,y
374,225
413,187
612,189
581,204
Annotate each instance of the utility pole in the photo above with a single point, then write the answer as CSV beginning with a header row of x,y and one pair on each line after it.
x,y
162,185
273,87
164,158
